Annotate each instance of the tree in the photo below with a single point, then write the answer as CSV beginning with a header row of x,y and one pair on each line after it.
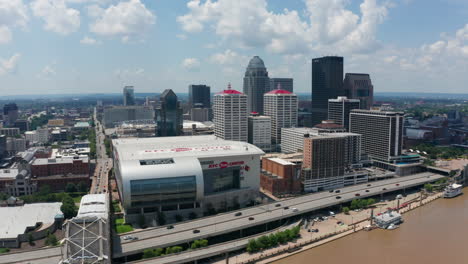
x,y
44,190
149,253
68,207
158,252
370,202
70,188
345,210
82,187
51,240
161,218
428,187
252,246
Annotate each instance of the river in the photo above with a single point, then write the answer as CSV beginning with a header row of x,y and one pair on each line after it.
x,y
434,233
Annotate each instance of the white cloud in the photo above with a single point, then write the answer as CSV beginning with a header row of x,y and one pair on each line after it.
x,y
227,57
8,66
126,74
328,27
47,72
191,64
88,41
126,20
13,13
57,16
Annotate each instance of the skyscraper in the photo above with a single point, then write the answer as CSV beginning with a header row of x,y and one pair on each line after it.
x,y
281,106
286,84
327,83
10,114
382,132
339,109
260,131
199,96
359,86
169,115
256,83
128,96
230,115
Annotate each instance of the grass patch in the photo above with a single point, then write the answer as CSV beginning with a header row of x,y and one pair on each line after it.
x,y
123,229
120,227
4,250
77,199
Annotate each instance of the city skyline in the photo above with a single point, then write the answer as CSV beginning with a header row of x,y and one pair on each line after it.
x,y
163,45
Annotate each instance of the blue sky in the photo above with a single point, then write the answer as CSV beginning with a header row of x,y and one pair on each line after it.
x,y
88,46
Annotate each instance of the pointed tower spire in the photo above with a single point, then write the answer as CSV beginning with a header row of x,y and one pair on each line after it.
x,y
229,86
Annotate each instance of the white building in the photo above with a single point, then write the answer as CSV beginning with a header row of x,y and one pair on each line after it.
x,y
179,175
42,135
260,131
281,106
230,115
117,114
15,145
30,136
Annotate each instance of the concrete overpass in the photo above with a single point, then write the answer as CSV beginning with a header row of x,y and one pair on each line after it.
x,y
228,222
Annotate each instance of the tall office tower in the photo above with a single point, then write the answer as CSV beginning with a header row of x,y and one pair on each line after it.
x,y
324,161
230,115
382,132
10,114
286,84
168,115
260,131
281,106
256,83
3,146
339,109
199,96
327,83
128,96
201,114
359,86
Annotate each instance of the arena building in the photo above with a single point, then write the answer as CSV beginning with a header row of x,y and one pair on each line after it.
x,y
180,175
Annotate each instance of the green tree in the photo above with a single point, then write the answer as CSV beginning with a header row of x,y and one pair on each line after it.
x,y
149,253
70,188
68,207
370,202
265,241
345,210
158,252
252,246
428,187
51,240
82,187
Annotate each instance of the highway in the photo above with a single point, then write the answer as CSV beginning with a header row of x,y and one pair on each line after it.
x,y
228,222
39,256
103,163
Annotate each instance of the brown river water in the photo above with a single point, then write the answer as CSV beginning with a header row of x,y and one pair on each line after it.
x,y
432,234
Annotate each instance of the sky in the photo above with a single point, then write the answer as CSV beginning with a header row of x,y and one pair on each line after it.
x,y
99,46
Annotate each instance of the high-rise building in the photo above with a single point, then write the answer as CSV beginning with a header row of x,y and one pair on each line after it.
x,y
260,131
22,124
199,96
339,109
327,83
359,86
117,114
281,106
286,84
256,83
324,161
10,114
3,146
230,115
382,132
128,96
201,114
169,119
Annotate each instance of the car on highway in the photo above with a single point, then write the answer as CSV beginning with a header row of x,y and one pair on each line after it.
x,y
238,214
130,237
277,205
295,210
397,184
286,207
369,185
196,231
337,191
357,194
384,189
251,218
338,197
170,227
331,191
367,190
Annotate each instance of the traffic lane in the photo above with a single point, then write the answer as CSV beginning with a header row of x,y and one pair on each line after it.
x,y
265,217
148,233
29,256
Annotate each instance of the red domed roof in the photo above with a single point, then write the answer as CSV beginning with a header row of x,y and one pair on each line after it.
x,y
229,91
279,91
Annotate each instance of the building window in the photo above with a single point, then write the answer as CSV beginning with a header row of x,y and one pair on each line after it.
x,y
218,180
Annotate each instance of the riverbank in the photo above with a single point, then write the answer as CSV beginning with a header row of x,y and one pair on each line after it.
x,y
329,230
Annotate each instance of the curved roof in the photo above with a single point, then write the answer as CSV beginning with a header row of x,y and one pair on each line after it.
x,y
279,91
229,92
256,62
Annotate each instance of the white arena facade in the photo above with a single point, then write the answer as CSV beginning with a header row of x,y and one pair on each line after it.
x,y
180,175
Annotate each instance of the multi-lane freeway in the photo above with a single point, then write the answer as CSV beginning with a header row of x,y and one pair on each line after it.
x,y
228,222
103,162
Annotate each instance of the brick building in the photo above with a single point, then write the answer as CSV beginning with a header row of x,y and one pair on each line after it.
x,y
280,177
60,166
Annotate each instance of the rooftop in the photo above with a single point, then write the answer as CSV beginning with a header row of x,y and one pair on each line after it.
x,y
182,146
256,62
93,205
16,219
279,91
281,161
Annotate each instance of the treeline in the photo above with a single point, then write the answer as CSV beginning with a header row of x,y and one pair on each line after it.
x,y
435,152
152,253
273,240
39,121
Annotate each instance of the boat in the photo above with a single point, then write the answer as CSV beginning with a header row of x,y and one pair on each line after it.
x,y
453,190
392,226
